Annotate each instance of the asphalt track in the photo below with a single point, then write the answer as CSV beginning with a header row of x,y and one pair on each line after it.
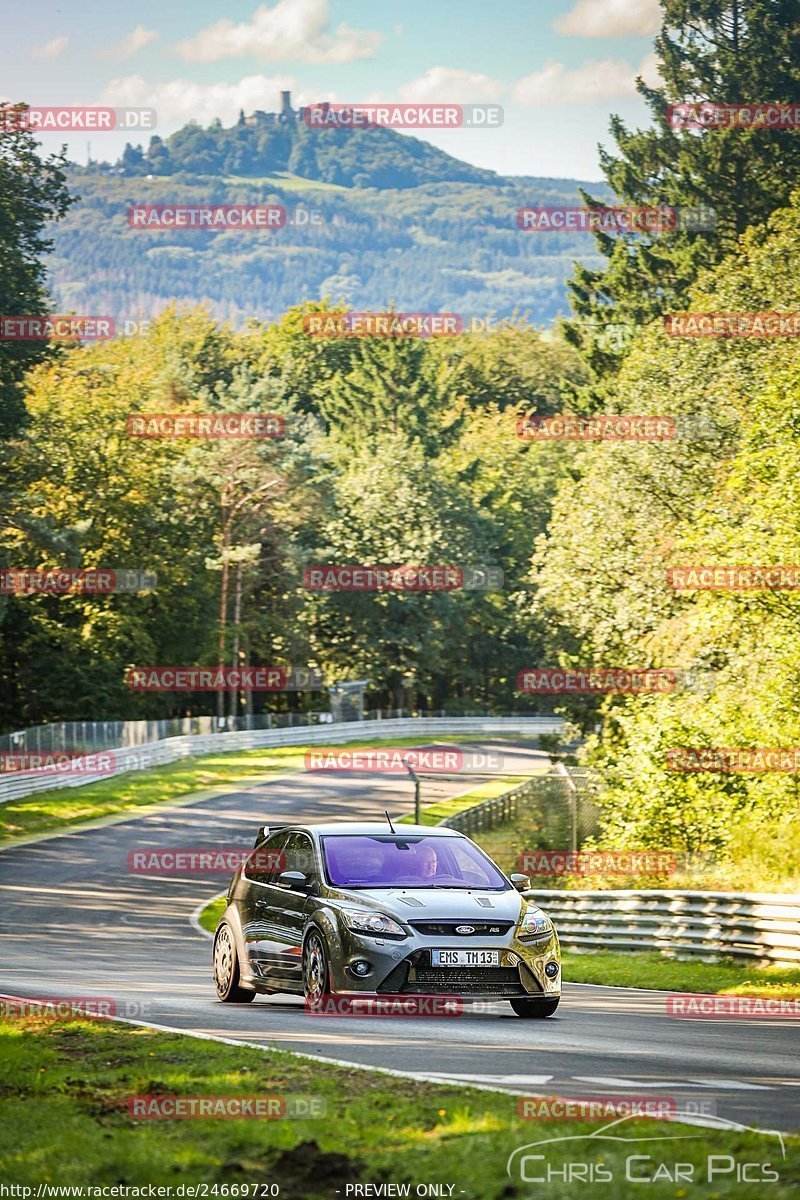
x,y
74,921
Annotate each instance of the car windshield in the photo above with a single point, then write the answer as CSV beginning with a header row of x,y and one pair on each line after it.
x,y
384,861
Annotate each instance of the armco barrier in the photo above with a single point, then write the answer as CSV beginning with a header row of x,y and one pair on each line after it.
x,y
740,924
752,925
168,750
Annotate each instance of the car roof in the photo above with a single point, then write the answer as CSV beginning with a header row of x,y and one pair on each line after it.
x,y
367,828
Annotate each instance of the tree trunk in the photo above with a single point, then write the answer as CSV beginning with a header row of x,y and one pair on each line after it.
x,y
237,616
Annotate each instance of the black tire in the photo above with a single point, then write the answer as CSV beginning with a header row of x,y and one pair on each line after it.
x,y
535,1008
316,971
226,968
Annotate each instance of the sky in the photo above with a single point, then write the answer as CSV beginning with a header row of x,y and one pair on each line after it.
x,y
559,68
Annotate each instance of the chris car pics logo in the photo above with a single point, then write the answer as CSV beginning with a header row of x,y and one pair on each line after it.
x,y
618,1152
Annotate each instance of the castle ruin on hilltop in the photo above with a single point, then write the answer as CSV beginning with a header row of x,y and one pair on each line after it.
x,y
286,116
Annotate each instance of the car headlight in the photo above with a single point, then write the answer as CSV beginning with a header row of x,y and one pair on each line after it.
x,y
534,924
363,921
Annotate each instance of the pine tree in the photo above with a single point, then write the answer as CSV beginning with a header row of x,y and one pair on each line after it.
x,y
718,51
33,192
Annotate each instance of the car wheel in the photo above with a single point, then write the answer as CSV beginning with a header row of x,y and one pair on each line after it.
x,y
316,973
226,969
534,1008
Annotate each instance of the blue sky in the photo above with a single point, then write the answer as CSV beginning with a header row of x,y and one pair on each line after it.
x,y
559,68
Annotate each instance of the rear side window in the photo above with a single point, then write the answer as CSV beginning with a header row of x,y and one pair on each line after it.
x,y
266,862
299,854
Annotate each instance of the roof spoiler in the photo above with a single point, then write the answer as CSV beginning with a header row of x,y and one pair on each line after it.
x,y
264,831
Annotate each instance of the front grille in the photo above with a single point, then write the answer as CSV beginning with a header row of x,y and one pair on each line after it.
x,y
448,928
450,981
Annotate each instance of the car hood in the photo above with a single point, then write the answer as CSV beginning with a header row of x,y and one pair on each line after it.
x,y
434,904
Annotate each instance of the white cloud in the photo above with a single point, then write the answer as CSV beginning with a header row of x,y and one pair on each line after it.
x,y
610,18
53,48
180,100
648,69
290,29
556,86
129,45
443,84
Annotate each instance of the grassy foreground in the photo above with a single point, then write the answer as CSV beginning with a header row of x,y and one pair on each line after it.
x,y
65,1089
61,807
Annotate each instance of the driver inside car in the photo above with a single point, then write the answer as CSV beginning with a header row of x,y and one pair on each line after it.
x,y
426,862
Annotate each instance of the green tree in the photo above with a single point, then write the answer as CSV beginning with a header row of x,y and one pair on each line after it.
x,y
33,191
722,491
722,51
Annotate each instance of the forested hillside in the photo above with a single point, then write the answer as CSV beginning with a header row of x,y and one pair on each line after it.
x,y
383,216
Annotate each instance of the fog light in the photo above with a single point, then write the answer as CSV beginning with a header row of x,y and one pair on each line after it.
x,y
551,970
360,967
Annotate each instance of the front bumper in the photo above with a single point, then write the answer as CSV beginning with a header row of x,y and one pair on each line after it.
x,y
405,967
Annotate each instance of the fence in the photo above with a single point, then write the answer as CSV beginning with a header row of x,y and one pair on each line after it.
x,y
754,925
560,803
751,925
82,737
14,785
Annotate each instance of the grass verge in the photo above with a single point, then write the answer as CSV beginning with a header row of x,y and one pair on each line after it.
x,y
210,915
65,1119
119,794
434,814
648,969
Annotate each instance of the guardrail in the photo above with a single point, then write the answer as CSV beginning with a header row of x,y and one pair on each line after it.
x,y
755,925
85,736
751,925
167,750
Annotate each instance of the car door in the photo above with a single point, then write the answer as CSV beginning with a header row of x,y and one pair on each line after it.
x,y
260,870
291,907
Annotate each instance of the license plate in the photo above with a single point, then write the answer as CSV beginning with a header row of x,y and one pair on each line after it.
x,y
465,958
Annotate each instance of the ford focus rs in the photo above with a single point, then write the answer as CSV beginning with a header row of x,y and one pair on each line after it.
x,y
360,909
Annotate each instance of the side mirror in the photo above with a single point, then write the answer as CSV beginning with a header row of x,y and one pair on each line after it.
x,y
295,881
520,882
